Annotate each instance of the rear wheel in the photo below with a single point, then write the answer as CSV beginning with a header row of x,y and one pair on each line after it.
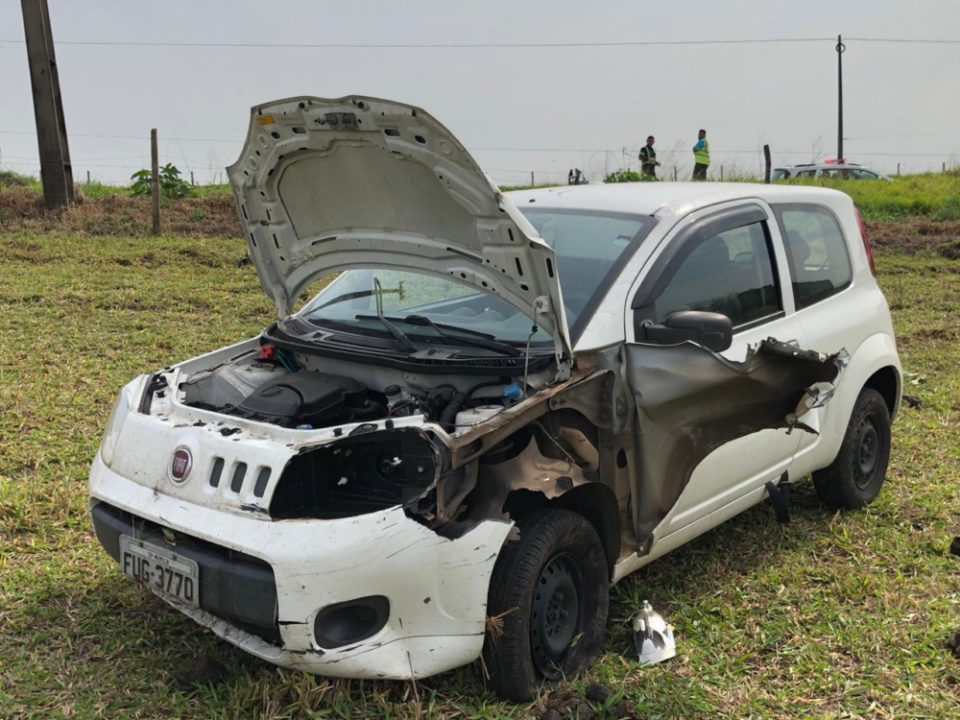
x,y
547,604
856,475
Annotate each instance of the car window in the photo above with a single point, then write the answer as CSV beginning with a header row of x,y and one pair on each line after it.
x,y
806,173
864,175
836,173
730,273
780,174
816,252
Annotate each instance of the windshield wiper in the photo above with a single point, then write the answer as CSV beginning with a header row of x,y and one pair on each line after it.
x,y
470,337
377,291
405,343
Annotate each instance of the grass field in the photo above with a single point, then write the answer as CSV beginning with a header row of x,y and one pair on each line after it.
x,y
834,615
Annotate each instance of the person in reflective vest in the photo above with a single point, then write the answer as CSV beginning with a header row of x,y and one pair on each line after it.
x,y
648,159
701,156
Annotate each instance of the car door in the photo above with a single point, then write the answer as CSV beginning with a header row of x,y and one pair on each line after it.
x,y
730,260
829,305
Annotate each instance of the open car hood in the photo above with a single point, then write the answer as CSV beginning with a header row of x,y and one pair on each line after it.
x,y
327,185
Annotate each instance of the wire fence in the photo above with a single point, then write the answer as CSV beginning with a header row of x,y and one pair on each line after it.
x,y
536,165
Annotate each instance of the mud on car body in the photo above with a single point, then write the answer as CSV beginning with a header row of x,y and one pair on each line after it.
x,y
448,451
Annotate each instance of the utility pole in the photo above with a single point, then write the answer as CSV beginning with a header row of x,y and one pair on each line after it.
x,y
154,182
840,48
56,172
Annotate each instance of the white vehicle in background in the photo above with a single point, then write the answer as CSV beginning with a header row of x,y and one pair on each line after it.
x,y
500,406
828,170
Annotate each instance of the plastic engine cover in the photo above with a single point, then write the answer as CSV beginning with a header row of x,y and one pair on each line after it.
x,y
303,398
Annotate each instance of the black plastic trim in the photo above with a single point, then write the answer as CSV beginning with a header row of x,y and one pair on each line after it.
x,y
470,365
348,622
234,586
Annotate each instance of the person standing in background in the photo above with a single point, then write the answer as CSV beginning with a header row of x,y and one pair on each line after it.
x,y
701,156
648,159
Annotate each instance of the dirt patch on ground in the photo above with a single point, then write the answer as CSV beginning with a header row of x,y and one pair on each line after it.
x,y
913,236
22,209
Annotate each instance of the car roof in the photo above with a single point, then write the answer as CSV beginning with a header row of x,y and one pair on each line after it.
x,y
648,198
825,166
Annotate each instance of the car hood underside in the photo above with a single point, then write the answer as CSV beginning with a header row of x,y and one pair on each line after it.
x,y
327,185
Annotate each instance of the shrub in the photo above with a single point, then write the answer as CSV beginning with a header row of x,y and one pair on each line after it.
x,y
622,176
13,178
171,184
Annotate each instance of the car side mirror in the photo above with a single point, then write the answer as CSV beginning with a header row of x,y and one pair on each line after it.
x,y
713,331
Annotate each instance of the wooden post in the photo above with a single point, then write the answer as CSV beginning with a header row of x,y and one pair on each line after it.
x,y
898,169
88,177
766,164
674,173
155,181
943,167
191,178
721,173
55,170
532,183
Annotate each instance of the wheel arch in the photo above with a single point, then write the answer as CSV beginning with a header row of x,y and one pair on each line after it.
x,y
886,381
594,501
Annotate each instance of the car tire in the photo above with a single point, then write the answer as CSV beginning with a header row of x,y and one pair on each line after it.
x,y
856,475
547,604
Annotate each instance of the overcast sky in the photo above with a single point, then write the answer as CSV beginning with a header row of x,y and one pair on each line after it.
x,y
552,108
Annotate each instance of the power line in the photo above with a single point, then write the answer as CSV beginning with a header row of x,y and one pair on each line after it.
x,y
480,45
916,41
428,46
141,138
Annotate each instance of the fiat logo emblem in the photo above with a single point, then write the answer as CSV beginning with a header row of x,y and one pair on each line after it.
x,y
180,464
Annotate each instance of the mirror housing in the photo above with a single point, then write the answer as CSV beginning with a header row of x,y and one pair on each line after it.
x,y
713,331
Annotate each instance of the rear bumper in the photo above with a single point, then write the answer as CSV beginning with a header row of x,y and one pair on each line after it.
x,y
436,587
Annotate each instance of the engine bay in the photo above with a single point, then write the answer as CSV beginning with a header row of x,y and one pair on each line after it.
x,y
307,393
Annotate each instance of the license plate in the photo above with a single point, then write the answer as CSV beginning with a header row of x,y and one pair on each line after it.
x,y
163,571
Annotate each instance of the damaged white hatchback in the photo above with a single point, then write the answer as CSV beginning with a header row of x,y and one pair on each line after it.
x,y
498,406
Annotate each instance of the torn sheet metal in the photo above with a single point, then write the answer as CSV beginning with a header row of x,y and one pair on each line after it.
x,y
691,400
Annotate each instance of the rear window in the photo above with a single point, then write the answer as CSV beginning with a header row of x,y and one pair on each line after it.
x,y
816,252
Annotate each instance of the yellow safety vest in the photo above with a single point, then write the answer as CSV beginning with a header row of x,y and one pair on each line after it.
x,y
702,156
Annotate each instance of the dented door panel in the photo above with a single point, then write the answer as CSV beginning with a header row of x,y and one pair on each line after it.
x,y
692,402
747,460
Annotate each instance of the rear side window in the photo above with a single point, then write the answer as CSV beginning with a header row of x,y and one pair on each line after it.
x,y
729,273
816,252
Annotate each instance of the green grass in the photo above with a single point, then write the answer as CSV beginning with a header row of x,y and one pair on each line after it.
x,y
933,195
834,615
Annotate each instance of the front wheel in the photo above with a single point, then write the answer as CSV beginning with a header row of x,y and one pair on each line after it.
x,y
856,475
547,604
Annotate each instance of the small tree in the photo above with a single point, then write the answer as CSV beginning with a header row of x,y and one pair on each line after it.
x,y
171,184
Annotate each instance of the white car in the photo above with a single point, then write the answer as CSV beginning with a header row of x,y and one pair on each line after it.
x,y
501,404
827,170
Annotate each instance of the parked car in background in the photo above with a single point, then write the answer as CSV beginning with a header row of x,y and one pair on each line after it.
x,y
500,404
826,170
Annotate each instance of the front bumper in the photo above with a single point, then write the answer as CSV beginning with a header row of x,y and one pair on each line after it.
x,y
437,588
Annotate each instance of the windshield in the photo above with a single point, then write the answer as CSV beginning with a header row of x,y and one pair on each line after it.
x,y
590,246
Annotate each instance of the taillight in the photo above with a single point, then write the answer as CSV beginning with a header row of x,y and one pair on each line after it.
x,y
866,242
